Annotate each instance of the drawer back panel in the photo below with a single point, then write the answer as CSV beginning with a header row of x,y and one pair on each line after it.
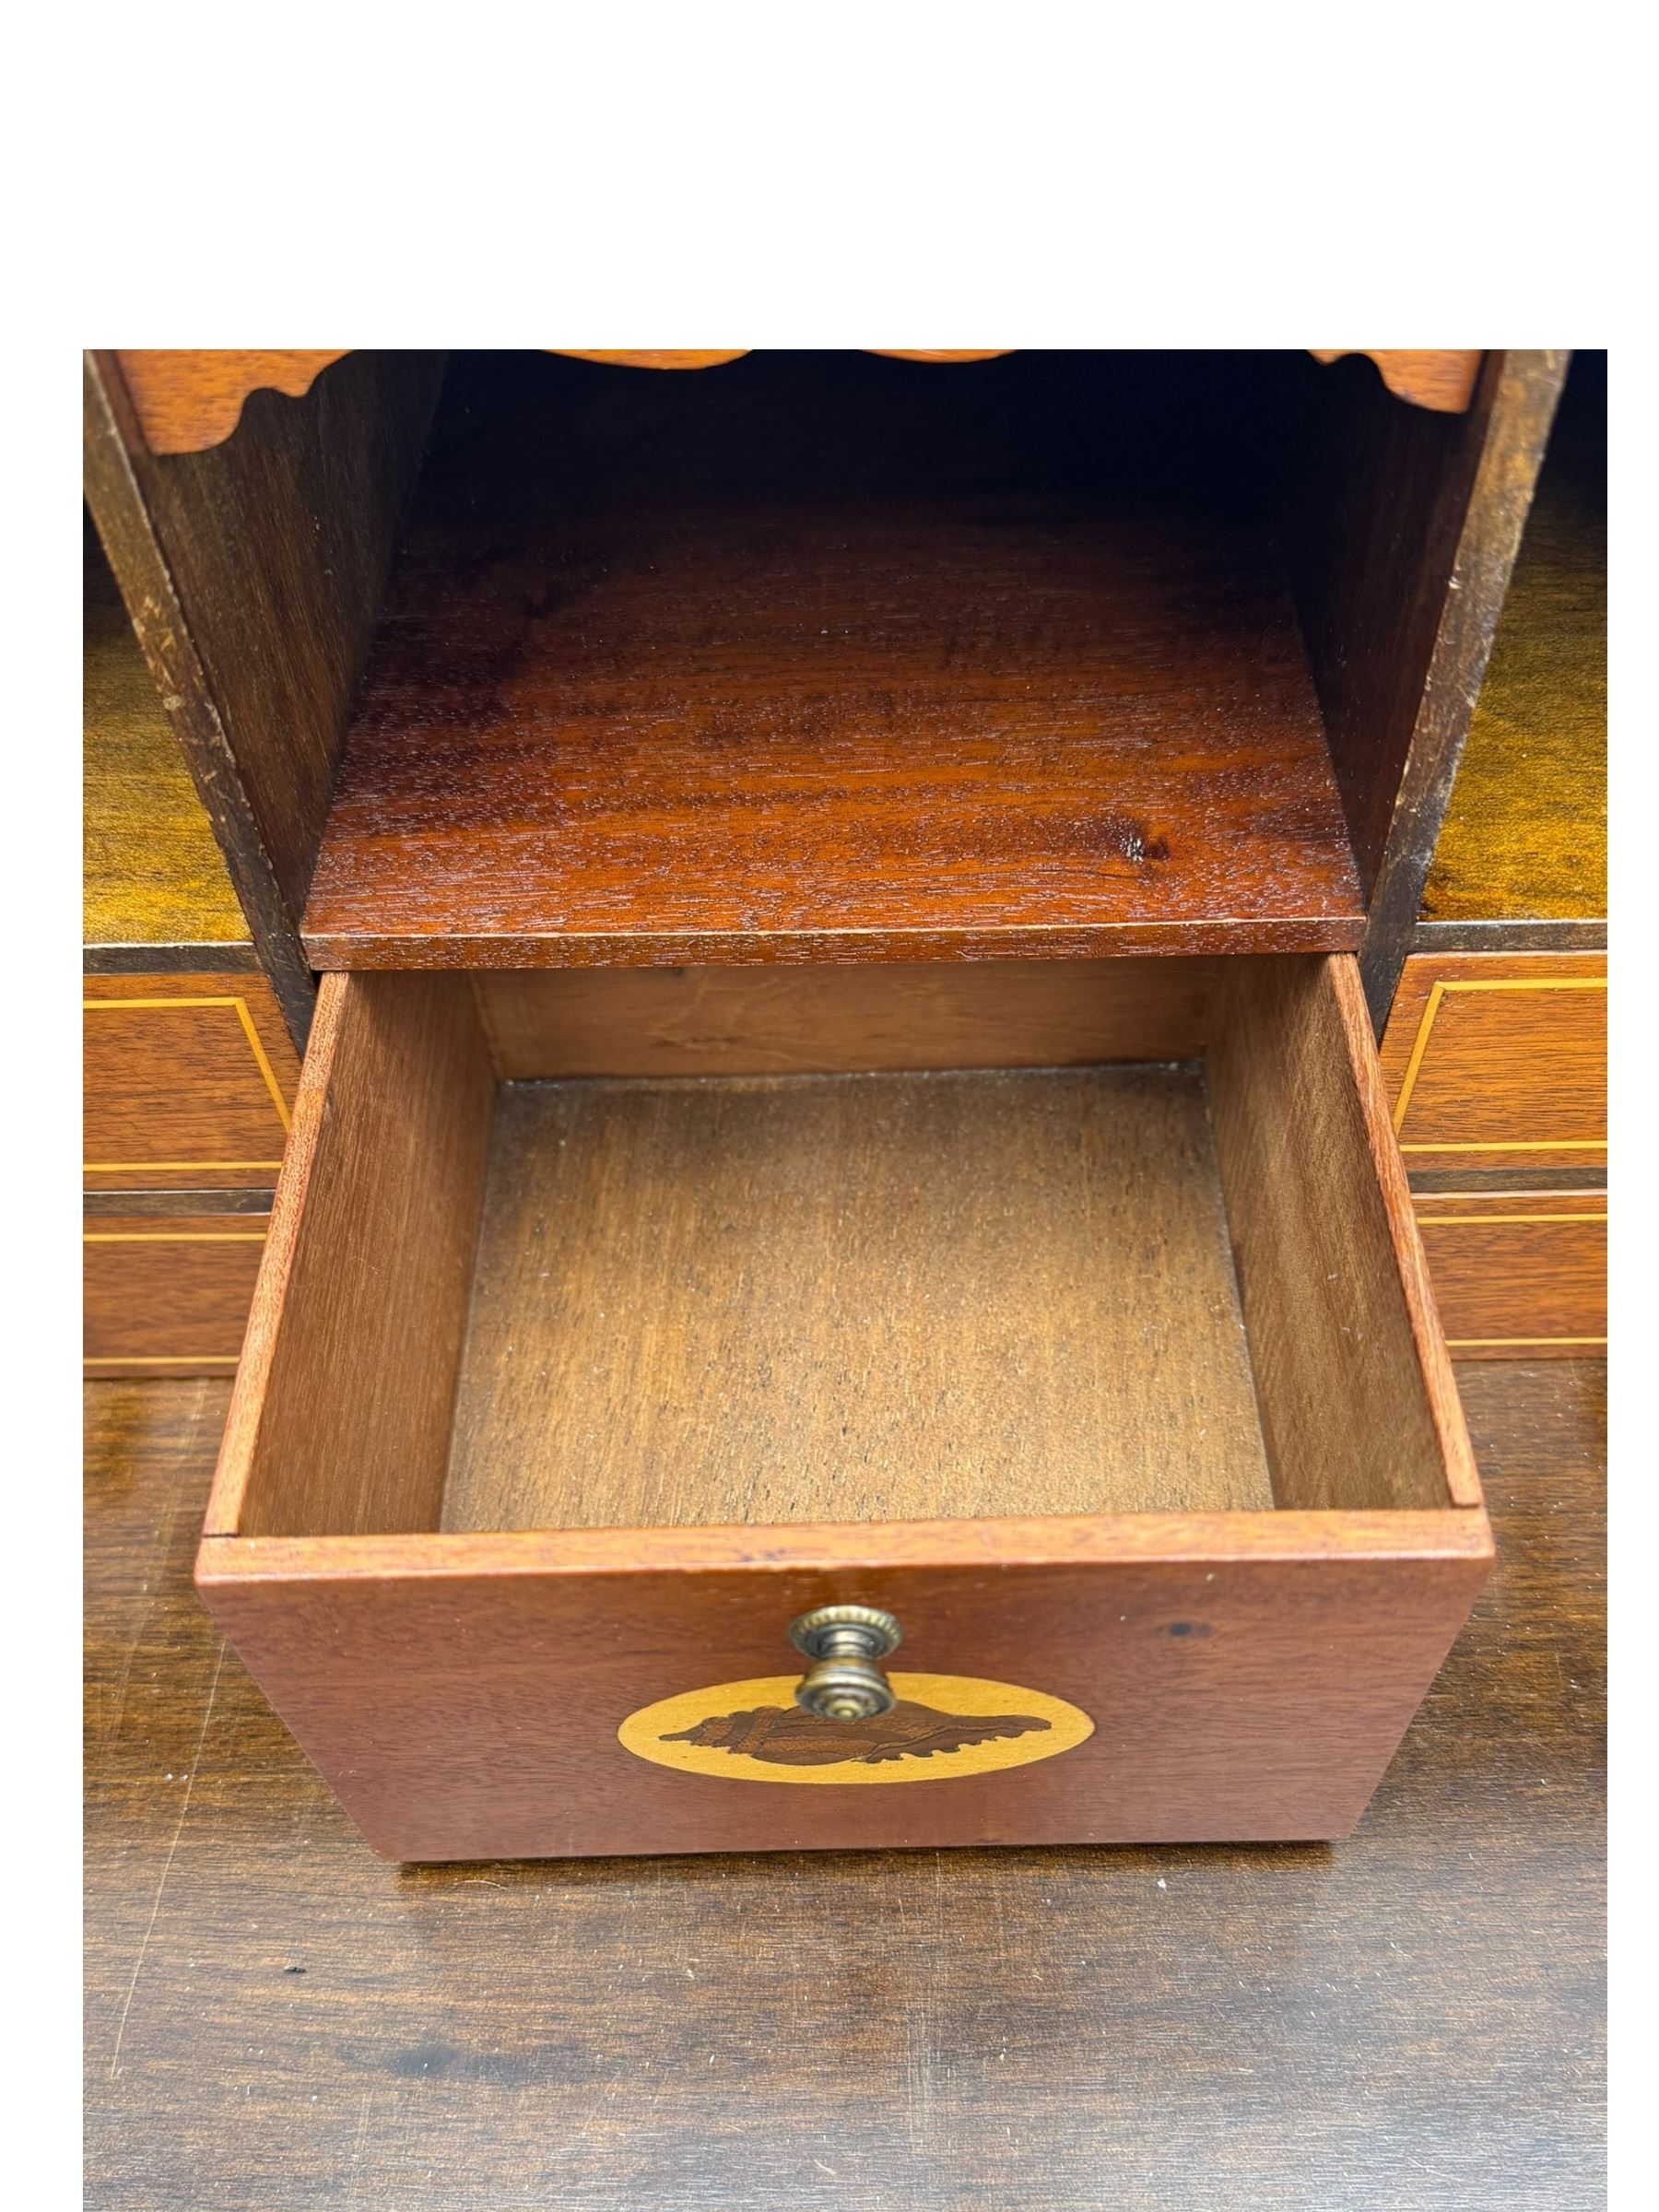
x,y
833,1019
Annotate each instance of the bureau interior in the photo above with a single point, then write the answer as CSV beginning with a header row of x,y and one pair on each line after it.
x,y
1059,652
709,1246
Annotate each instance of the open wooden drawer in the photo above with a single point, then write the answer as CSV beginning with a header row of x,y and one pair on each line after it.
x,y
1071,1311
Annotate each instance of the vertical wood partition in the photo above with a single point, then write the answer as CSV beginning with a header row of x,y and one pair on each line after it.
x,y
340,1421
1330,1265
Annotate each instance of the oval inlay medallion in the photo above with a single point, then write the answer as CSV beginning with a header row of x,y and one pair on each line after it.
x,y
942,1727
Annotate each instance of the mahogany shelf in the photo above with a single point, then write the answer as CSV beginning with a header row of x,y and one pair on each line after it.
x,y
914,727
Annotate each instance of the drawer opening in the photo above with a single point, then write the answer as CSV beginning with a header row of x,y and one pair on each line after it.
x,y
733,1247
825,655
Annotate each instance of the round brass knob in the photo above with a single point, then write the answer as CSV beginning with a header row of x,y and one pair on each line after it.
x,y
846,1684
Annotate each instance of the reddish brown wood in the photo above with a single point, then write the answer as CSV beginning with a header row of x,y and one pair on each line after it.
x,y
884,1298
1499,1061
704,1021
888,732
685,358
909,354
1331,1268
340,1416
464,1716
167,1295
1519,1275
186,1082
187,401
1248,1673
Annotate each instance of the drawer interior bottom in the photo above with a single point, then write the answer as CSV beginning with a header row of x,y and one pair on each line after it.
x,y
844,1298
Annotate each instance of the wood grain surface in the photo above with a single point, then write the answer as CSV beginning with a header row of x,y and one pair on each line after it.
x,y
885,1297
836,1019
461,1714
186,1080
874,1297
187,401
1517,398
1526,834
1354,1390
151,871
1444,380
890,730
1403,537
1519,1275
167,1295
1499,1060
341,1417
1412,2019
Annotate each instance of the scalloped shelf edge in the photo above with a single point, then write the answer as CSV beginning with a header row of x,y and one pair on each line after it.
x,y
186,402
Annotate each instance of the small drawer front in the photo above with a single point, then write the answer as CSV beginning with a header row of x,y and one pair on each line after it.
x,y
188,1080
1519,1275
622,1692
170,1294
1499,1061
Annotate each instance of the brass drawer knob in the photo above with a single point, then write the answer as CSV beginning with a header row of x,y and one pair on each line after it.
x,y
846,1642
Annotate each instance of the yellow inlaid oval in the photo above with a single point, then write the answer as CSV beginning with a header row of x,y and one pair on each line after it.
x,y
942,1727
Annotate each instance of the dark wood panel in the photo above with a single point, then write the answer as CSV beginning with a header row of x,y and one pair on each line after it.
x,y
1500,1061
765,681
1524,387
96,1204
1433,1182
878,1298
1510,936
1526,834
835,1019
1414,2017
167,1295
254,573
177,959
187,1081
1519,1275
1407,530
139,560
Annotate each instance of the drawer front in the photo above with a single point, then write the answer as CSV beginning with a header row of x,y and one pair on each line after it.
x,y
529,1705
1519,1275
1499,1061
167,1295
188,1082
